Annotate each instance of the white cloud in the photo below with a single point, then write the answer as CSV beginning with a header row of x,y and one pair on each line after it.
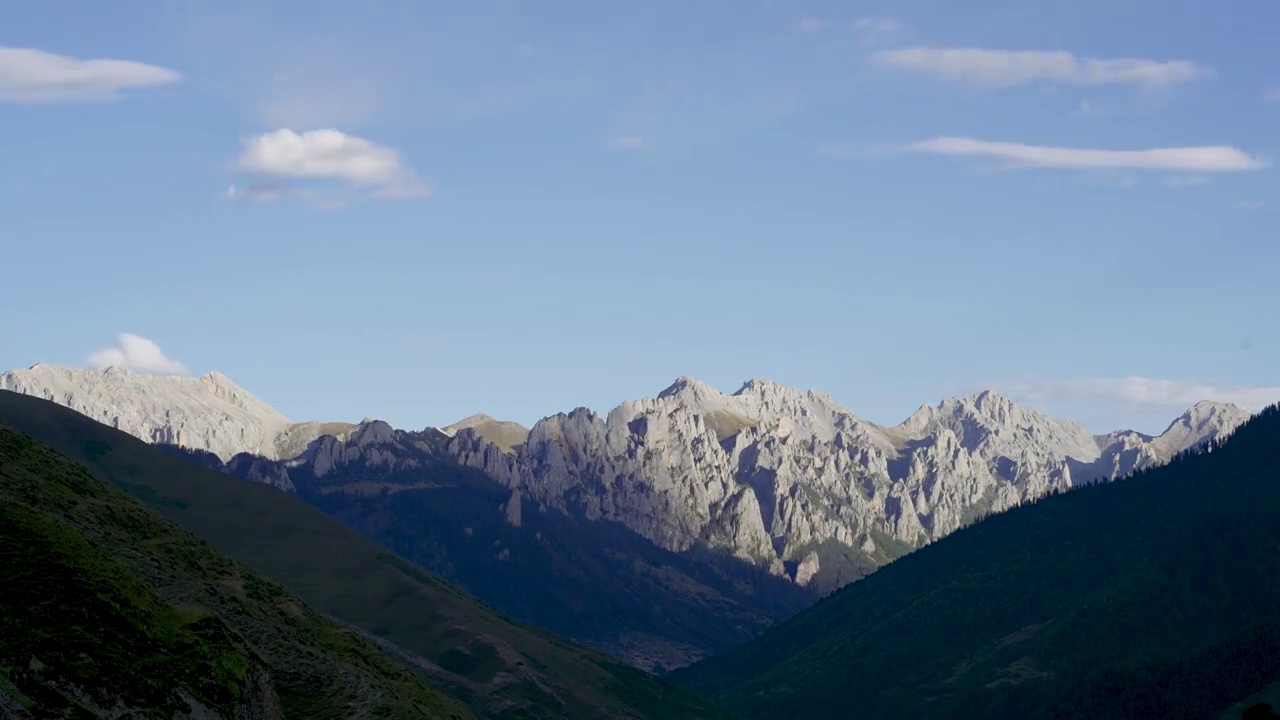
x,y
1273,95
1216,158
1144,393
328,155
28,75
1249,204
139,354
629,142
1004,68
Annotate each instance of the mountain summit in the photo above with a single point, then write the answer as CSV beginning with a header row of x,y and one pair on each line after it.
x,y
209,413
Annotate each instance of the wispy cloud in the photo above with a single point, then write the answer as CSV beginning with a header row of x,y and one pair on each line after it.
x,y
1272,95
1249,204
1135,392
324,155
1214,158
1005,68
630,142
137,353
28,75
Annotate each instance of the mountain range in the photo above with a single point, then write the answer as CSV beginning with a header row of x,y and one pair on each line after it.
x,y
769,473
705,516
1028,588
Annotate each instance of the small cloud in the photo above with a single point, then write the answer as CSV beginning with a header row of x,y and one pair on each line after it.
x,y
1004,68
873,31
1249,204
1186,180
324,155
28,75
1272,95
1136,392
139,354
630,142
1196,159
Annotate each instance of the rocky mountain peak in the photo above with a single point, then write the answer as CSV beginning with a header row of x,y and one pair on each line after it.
x,y
1204,421
1211,409
372,432
689,387
208,413
505,434
469,421
762,387
992,424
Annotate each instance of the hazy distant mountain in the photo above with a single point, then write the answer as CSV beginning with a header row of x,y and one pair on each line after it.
x,y
785,479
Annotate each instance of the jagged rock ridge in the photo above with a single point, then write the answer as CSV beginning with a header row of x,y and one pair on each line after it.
x,y
786,479
780,476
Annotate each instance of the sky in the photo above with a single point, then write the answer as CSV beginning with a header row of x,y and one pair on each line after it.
x,y
415,211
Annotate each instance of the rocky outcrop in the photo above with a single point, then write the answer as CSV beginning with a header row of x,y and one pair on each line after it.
x,y
771,473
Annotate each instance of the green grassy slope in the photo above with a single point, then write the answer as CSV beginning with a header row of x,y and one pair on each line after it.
x,y
106,605
500,668
1156,596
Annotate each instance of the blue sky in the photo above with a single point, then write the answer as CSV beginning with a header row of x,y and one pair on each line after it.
x,y
416,211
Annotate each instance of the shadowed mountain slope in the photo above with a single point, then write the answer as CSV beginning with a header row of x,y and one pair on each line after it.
x,y
108,610
1155,596
500,668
